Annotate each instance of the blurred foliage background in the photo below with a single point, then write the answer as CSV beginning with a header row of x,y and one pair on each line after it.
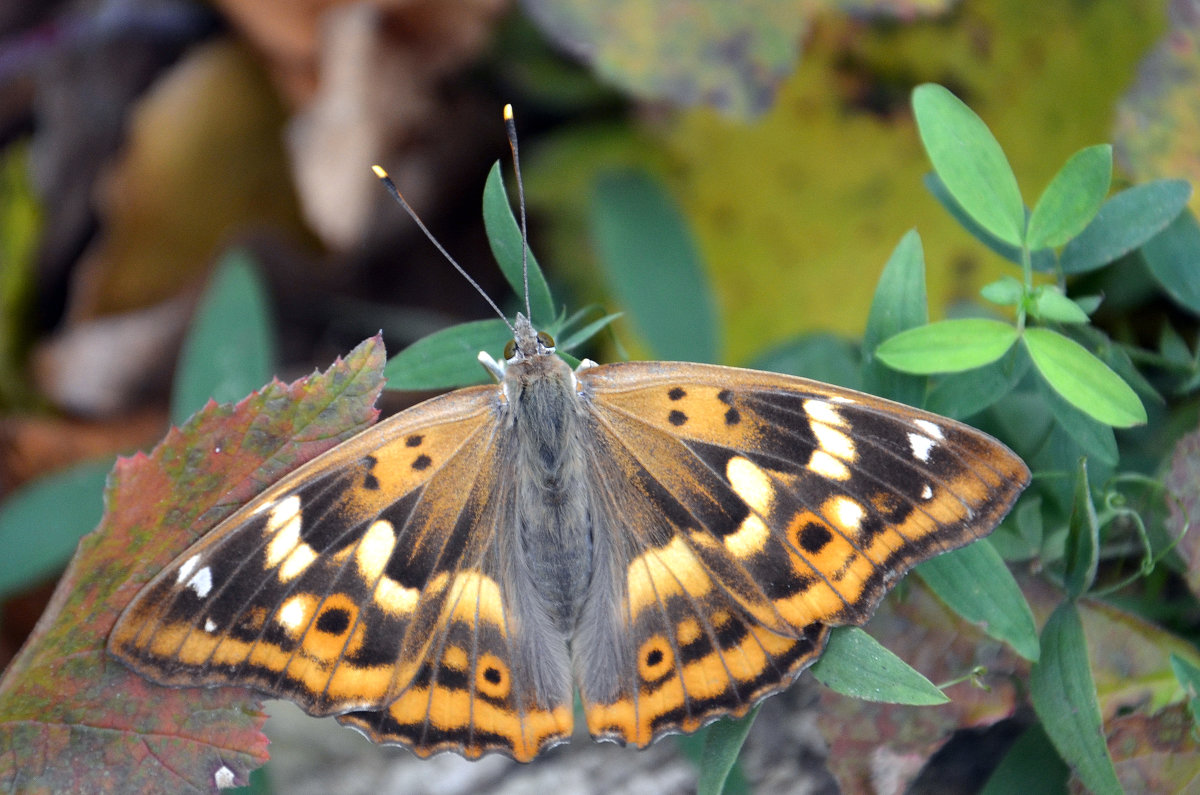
x,y
142,141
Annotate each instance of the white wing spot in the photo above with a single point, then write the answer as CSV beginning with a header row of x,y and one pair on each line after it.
x,y
209,625
931,428
926,493
750,483
849,513
224,778
820,411
827,466
921,445
833,441
293,613
186,569
201,582
283,525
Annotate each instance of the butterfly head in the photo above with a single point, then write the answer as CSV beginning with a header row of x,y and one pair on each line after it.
x,y
527,342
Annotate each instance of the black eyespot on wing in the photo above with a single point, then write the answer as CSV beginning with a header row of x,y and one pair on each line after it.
x,y
422,462
814,537
333,621
414,441
678,393
677,418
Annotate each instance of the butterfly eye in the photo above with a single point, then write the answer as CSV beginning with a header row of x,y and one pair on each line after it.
x,y
545,339
510,349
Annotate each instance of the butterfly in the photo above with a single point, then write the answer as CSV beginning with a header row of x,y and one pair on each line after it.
x,y
672,541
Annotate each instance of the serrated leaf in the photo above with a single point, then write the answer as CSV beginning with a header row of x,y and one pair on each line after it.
x,y
948,346
970,162
1082,379
653,266
1082,554
855,664
1071,199
1173,258
1064,698
899,304
504,237
1125,222
230,346
974,582
70,717
448,358
41,523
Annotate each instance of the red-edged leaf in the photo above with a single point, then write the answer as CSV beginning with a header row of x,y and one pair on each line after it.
x,y
73,719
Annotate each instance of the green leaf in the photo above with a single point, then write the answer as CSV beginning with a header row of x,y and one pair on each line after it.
x,y
1125,222
824,357
1082,379
948,346
1173,258
961,395
722,744
42,522
970,162
585,333
448,358
230,348
1005,291
899,304
1072,198
1064,697
1189,677
1031,767
1052,306
1082,554
653,266
504,236
1096,439
1043,260
974,582
855,664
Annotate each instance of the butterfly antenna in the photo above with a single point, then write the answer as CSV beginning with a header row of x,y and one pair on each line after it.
x,y
510,127
395,192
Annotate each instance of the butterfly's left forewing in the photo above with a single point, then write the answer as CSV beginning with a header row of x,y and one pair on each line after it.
x,y
367,579
787,506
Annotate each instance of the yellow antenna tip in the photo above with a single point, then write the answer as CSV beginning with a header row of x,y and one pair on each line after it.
x,y
379,172
508,113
